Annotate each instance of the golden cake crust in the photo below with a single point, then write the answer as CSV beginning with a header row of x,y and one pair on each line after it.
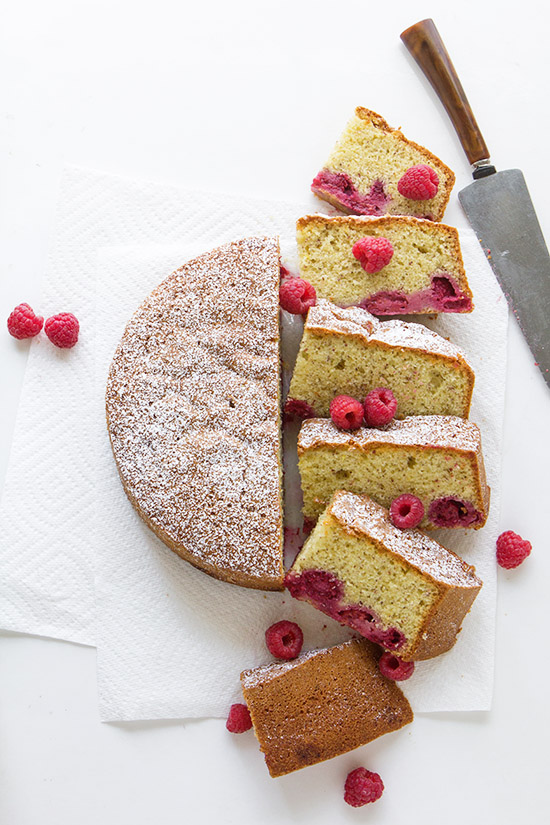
x,y
416,154
418,434
325,703
326,319
455,580
192,407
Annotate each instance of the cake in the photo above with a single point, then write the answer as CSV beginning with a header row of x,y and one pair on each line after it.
x,y
436,458
349,352
398,588
362,175
325,703
193,413
425,273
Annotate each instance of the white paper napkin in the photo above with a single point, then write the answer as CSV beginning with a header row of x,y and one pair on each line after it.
x,y
171,640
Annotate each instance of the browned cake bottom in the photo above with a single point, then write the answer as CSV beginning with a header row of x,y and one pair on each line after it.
x,y
321,705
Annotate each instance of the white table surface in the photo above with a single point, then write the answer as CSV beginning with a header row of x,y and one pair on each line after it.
x,y
249,97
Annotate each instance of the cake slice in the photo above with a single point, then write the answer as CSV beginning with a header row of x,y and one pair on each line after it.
x,y
424,274
362,175
398,588
193,413
325,703
436,458
349,352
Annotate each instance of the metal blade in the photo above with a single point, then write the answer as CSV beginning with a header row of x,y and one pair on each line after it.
x,y
501,212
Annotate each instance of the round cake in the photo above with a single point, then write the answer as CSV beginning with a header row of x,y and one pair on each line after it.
x,y
193,413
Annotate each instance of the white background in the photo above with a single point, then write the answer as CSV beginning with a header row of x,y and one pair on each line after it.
x,y
248,98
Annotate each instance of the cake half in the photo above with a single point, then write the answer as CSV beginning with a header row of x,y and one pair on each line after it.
x,y
398,588
349,352
436,458
193,413
425,274
361,175
325,703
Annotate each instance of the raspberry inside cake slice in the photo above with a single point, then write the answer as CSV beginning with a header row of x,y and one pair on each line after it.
x,y
349,352
436,458
398,588
425,273
375,170
325,703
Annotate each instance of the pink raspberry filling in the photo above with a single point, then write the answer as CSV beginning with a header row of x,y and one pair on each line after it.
x,y
453,512
325,591
341,187
296,408
442,296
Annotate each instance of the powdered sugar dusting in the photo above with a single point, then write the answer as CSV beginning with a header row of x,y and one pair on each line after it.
x,y
438,431
327,318
363,516
193,409
264,673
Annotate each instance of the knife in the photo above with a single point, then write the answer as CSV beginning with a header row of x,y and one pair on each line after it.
x,y
497,204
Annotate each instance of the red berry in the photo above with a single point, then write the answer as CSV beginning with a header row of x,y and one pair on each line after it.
x,y
346,412
392,667
362,786
296,295
373,253
380,407
23,323
239,719
62,330
512,549
406,511
284,640
419,183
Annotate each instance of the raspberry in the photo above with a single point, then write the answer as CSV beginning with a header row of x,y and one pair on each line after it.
x,y
238,719
406,511
23,323
392,667
296,408
362,786
346,412
62,330
419,183
379,407
512,549
284,640
373,253
296,295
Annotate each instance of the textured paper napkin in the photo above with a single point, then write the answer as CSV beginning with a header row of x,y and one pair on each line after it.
x,y
168,633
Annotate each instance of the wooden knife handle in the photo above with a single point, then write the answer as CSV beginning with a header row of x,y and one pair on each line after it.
x,y
426,46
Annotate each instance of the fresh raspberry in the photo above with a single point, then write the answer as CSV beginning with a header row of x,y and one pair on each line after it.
x,y
406,511
512,549
23,323
392,667
296,295
238,719
362,786
346,412
62,330
284,640
379,407
373,253
419,183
